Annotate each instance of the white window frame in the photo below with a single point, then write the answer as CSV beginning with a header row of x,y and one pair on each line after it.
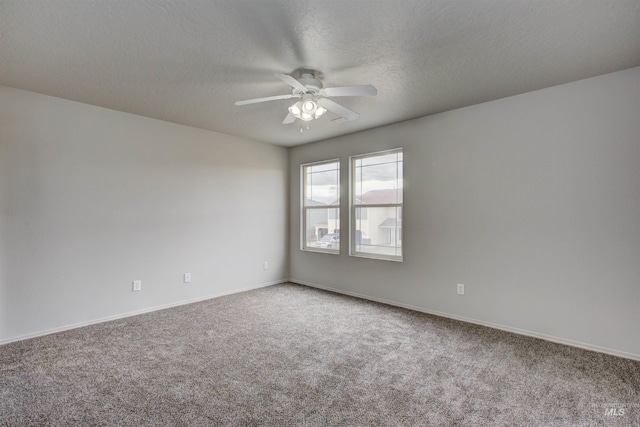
x,y
353,205
304,208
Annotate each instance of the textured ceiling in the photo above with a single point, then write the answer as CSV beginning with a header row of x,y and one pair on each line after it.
x,y
188,61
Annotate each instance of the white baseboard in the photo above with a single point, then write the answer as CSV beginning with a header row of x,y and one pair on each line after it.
x,y
519,331
137,312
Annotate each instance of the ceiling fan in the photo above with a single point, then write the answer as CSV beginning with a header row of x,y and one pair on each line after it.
x,y
314,98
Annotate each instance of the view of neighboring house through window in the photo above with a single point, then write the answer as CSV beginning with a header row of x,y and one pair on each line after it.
x,y
376,205
321,206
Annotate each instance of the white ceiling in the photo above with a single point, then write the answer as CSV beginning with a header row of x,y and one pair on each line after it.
x,y
188,61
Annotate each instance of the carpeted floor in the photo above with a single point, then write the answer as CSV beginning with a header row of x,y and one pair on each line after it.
x,y
288,355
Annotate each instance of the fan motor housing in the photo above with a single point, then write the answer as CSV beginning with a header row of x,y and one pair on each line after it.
x,y
307,78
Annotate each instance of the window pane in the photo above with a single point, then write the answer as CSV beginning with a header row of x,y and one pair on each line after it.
x,y
323,167
322,188
378,179
323,228
379,159
322,184
321,206
378,231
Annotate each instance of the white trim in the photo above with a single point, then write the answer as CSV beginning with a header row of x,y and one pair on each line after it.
x,y
137,312
322,251
518,331
396,258
377,205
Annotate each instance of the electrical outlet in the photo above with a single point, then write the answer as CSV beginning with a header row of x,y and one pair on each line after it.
x,y
265,265
460,289
137,285
187,277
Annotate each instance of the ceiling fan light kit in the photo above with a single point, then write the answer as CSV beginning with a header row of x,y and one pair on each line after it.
x,y
307,109
313,98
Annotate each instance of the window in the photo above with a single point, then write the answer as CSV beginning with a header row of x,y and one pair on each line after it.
x,y
376,205
321,206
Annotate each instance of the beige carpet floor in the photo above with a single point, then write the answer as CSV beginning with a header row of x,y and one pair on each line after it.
x,y
288,355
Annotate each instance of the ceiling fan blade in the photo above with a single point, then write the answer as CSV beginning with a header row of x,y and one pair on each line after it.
x,y
268,98
291,82
334,107
288,120
359,90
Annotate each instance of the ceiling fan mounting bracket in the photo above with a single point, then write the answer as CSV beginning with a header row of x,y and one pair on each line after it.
x,y
314,74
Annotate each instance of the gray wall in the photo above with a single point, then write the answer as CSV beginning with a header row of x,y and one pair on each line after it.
x,y
532,201
91,199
